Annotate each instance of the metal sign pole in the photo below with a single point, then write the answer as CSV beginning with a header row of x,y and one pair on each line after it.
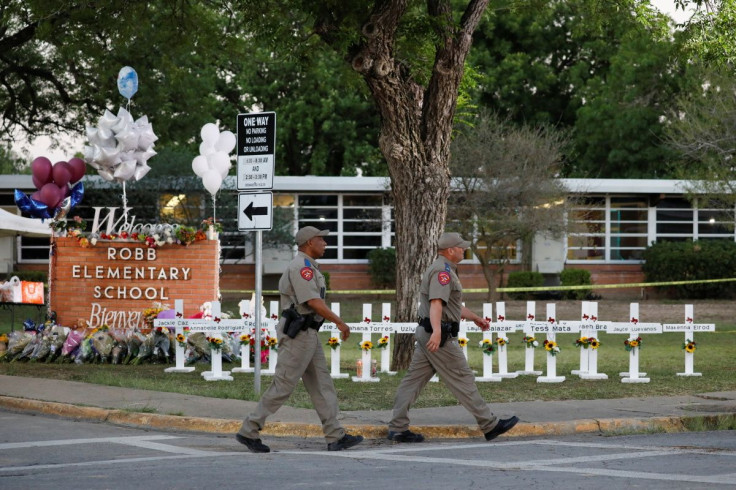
x,y
257,311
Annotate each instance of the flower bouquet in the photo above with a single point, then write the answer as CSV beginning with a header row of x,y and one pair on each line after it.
x,y
333,343
382,342
487,346
531,342
632,344
581,342
594,343
551,347
215,343
689,346
365,345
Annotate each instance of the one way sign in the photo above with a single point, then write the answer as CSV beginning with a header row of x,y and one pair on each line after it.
x,y
255,211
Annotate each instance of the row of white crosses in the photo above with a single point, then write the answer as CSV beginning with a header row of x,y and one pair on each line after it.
x,y
588,326
214,327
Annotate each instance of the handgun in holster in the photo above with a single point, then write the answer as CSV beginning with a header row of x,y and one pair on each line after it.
x,y
447,329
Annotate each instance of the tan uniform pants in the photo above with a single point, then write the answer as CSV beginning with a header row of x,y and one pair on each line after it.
x,y
300,357
452,367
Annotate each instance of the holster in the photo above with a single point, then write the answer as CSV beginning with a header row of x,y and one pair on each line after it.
x,y
296,322
447,329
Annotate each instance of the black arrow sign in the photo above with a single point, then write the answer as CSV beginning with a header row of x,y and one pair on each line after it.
x,y
250,211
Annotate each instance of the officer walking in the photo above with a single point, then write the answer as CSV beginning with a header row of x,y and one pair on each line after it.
x,y
437,350
303,286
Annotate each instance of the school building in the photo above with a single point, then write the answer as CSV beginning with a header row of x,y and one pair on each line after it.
x,y
615,222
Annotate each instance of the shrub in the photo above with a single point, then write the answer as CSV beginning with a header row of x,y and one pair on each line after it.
x,y
383,267
575,277
524,279
688,261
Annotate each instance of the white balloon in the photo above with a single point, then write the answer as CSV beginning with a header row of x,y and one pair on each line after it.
x,y
125,170
220,162
147,138
200,165
128,137
226,142
206,149
143,156
107,121
141,171
210,133
212,181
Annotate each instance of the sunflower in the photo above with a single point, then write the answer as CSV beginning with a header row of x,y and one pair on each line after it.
x,y
366,345
245,339
333,342
487,346
550,345
594,343
501,341
462,341
689,346
382,342
181,339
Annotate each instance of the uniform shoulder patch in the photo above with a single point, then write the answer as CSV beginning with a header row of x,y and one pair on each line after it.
x,y
307,273
443,278
447,267
307,263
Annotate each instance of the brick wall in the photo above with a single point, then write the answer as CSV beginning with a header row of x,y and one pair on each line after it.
x,y
102,284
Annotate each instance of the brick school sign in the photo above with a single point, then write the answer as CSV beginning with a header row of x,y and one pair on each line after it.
x,y
113,282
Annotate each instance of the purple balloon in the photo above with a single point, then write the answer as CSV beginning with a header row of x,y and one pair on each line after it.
x,y
62,173
37,182
77,167
41,170
36,196
167,314
51,195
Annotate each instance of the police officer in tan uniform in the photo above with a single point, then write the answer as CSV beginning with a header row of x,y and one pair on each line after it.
x,y
437,350
303,286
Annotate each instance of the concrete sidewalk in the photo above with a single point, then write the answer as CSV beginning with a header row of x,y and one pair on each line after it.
x,y
174,411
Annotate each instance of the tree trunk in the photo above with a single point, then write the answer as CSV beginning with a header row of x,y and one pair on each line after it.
x,y
416,129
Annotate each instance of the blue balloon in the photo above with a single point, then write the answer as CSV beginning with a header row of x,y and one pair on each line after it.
x,y
77,194
37,209
29,325
127,82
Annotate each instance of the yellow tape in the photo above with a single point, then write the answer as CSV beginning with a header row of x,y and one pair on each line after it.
x,y
517,290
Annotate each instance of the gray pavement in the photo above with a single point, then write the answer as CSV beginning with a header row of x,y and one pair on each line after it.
x,y
144,408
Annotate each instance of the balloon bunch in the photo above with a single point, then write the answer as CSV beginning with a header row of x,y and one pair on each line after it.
x,y
119,148
213,162
54,197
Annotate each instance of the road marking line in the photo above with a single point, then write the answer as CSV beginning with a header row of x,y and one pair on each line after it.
x,y
100,440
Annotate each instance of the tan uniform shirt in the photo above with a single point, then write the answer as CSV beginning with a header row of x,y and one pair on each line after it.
x,y
300,282
440,281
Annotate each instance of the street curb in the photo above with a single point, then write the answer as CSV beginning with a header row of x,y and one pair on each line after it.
x,y
228,426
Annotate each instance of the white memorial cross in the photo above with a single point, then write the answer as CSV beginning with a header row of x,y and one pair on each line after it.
x,y
177,324
366,357
583,326
550,327
271,323
248,324
488,358
502,340
335,351
528,333
385,330
593,328
213,328
634,328
689,327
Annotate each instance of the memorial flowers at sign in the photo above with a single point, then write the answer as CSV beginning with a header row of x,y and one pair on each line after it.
x,y
632,344
382,342
689,346
487,346
73,227
530,341
551,347
333,343
366,345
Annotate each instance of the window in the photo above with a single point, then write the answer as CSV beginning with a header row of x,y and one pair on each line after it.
x,y
628,227
587,222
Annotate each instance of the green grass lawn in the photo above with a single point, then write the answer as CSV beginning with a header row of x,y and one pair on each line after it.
x,y
661,357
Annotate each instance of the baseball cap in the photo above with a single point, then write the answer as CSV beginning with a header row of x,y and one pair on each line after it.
x,y
449,240
307,233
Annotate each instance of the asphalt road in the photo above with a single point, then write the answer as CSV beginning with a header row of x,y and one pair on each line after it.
x,y
40,452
